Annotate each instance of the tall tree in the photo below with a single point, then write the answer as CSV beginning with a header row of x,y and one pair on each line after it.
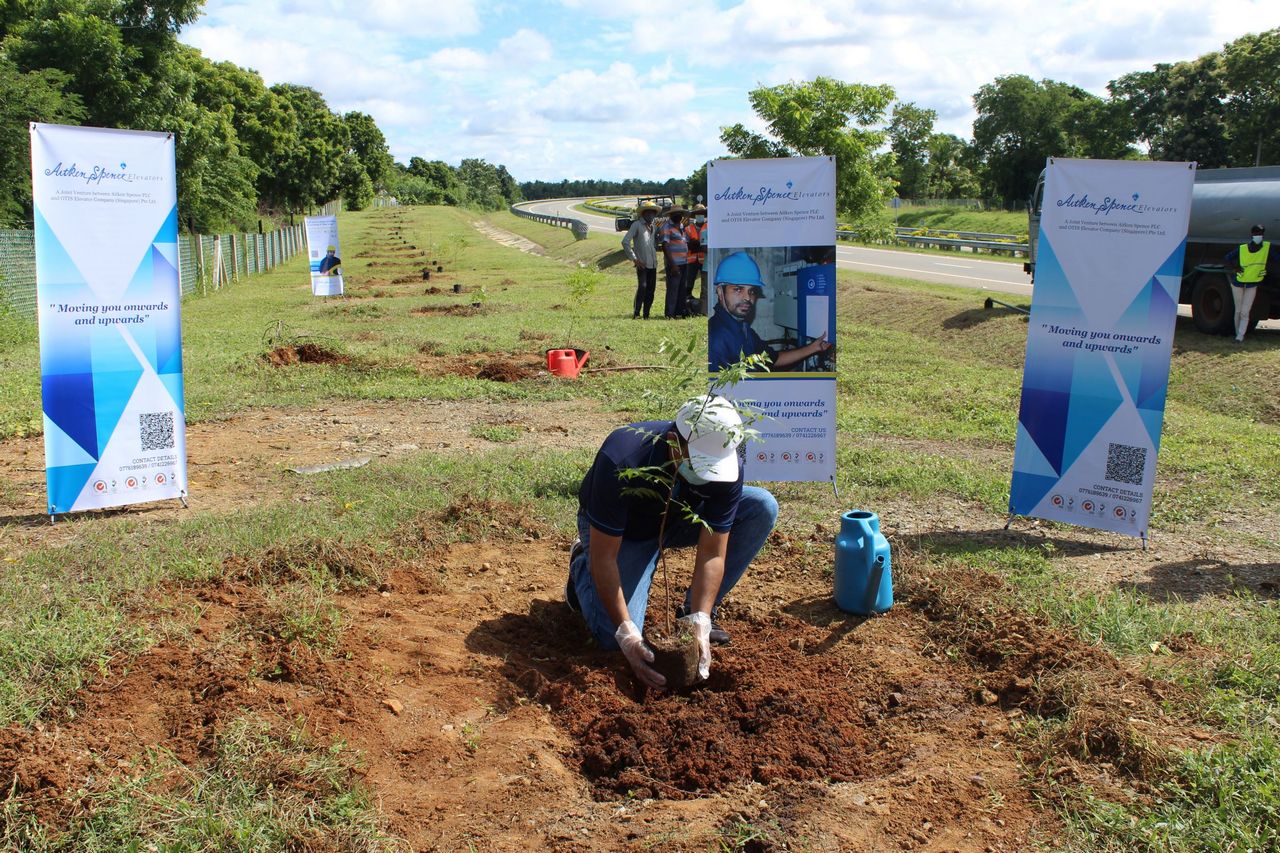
x,y
26,97
824,116
1251,71
1178,110
306,172
370,147
1022,122
910,130
952,168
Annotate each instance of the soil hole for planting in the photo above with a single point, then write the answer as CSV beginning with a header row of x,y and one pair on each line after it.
x,y
284,356
452,310
768,713
504,371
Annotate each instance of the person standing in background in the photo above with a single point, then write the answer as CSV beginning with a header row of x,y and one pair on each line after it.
x,y
695,237
1251,262
639,244
675,249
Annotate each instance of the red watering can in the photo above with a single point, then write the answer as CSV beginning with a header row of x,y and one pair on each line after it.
x,y
566,362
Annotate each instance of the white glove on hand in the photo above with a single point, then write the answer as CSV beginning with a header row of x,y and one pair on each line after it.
x,y
638,654
700,624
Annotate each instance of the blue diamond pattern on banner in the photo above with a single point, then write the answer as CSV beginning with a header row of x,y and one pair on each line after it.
x,y
1043,414
1027,457
55,265
1094,399
59,450
111,394
66,484
1155,366
68,403
173,384
1027,491
1053,290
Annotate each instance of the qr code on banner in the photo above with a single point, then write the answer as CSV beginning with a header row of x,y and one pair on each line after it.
x,y
156,429
1125,463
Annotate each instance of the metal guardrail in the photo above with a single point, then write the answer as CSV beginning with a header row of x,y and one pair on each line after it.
x,y
577,226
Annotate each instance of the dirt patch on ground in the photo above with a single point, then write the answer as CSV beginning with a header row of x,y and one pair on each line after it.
x,y
504,371
243,459
477,365
308,353
483,715
453,310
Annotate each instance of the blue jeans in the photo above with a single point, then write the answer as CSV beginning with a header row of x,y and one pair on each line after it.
x,y
638,560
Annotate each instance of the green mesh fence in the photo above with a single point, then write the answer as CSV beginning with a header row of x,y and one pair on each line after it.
x,y
18,273
242,255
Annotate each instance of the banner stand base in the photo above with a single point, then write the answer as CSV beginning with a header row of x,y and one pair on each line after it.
x,y
1009,522
1144,540
835,489
183,498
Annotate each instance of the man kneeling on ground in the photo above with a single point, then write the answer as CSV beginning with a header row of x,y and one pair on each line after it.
x,y
612,564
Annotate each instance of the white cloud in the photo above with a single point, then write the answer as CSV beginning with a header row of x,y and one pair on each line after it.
x,y
525,47
581,88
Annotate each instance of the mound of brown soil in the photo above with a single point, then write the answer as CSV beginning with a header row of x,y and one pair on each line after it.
x,y
283,356
768,713
452,310
504,371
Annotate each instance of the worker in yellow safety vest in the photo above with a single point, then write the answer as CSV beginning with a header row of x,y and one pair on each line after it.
x,y
1251,262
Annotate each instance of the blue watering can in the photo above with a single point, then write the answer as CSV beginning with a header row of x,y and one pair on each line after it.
x,y
863,581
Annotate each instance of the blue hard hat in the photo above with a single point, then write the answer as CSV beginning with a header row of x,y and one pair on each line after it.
x,y
739,268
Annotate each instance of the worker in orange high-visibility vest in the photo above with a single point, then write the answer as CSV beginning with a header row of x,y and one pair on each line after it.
x,y
1251,262
696,238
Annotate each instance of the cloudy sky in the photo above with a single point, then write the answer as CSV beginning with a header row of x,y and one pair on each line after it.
x,y
632,88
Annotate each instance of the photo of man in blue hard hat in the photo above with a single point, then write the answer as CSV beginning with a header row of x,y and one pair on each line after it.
x,y
740,287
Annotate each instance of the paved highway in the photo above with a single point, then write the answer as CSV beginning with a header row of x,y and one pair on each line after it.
x,y
957,269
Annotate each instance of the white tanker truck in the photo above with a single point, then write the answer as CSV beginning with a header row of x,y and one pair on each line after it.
x,y
1224,204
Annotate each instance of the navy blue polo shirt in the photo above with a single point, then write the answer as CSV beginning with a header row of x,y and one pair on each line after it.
x,y
729,339
638,516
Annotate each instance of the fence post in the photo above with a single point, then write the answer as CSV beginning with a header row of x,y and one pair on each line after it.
x,y
200,263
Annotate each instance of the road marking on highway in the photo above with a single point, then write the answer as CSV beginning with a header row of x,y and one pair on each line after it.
x,y
957,266
932,272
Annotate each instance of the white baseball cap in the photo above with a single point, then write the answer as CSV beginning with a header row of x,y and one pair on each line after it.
x,y
713,430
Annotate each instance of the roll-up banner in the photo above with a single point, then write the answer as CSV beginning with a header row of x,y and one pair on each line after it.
x,y
108,295
1108,272
771,266
325,253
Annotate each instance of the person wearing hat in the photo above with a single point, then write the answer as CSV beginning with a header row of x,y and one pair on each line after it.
x,y
675,248
729,333
1251,262
696,238
330,262
612,563
640,245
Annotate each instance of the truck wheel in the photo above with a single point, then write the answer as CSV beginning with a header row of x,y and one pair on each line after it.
x,y
1212,307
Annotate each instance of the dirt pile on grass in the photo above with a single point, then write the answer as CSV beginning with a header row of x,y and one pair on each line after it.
x,y
769,713
504,371
452,310
308,353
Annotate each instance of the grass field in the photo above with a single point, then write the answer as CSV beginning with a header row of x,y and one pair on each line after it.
x,y
228,677
960,219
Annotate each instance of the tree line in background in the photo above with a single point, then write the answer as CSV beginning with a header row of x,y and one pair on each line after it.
x,y
1222,109
243,149
534,190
